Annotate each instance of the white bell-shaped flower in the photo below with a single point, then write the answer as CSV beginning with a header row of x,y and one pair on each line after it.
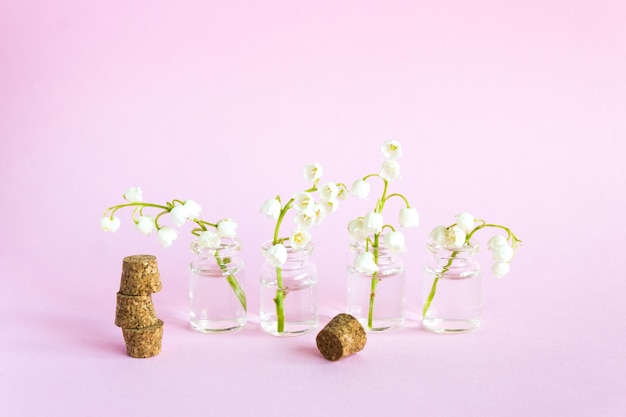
x,y
361,188
299,239
391,149
166,236
390,170
276,255
209,239
227,228
373,222
179,214
394,241
109,224
271,208
145,225
364,263
409,217
133,195
193,209
312,172
465,221
500,269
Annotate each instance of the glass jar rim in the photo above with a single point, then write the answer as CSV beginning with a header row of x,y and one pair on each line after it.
x,y
306,249
433,247
226,243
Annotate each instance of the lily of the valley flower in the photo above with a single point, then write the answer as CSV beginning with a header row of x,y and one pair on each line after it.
x,y
373,222
303,200
305,219
299,239
276,255
409,217
271,208
193,209
391,149
328,191
133,195
179,214
465,221
356,229
394,241
145,225
390,170
449,237
361,188
312,172
500,269
365,264
166,236
110,224
209,239
227,228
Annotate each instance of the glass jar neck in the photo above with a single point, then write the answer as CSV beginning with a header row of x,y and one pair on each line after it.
x,y
227,249
381,252
451,257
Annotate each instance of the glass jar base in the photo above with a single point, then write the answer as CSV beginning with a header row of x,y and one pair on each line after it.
x,y
381,325
217,326
451,326
291,328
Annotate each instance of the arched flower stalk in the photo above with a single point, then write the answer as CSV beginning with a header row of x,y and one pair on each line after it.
x,y
458,235
370,228
148,217
309,212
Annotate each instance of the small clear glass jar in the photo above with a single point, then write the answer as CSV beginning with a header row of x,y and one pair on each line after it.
x,y
452,291
217,301
288,295
378,300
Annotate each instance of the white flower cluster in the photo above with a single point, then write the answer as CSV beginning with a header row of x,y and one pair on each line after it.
x,y
366,228
457,236
179,213
309,212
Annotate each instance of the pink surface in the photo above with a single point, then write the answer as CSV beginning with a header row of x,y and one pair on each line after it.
x,y
514,111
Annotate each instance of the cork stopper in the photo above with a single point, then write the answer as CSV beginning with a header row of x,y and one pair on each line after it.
x,y
342,336
140,275
144,343
134,311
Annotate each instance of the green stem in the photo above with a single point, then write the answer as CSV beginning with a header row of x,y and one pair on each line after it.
x,y
232,281
370,314
280,301
433,290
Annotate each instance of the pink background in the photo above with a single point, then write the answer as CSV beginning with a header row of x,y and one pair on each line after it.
x,y
512,110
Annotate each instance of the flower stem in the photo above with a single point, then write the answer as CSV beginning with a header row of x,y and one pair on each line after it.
x,y
433,289
280,301
232,281
375,279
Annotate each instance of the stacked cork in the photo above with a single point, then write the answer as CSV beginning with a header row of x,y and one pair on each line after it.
x,y
135,314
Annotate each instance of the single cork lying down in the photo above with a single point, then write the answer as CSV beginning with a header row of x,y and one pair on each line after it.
x,y
342,336
140,275
134,311
144,343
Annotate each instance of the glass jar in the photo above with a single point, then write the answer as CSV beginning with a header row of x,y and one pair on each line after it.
x,y
216,296
452,291
288,294
378,300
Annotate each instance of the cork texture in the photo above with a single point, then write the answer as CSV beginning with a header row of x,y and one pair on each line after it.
x,y
140,275
144,343
134,311
342,336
